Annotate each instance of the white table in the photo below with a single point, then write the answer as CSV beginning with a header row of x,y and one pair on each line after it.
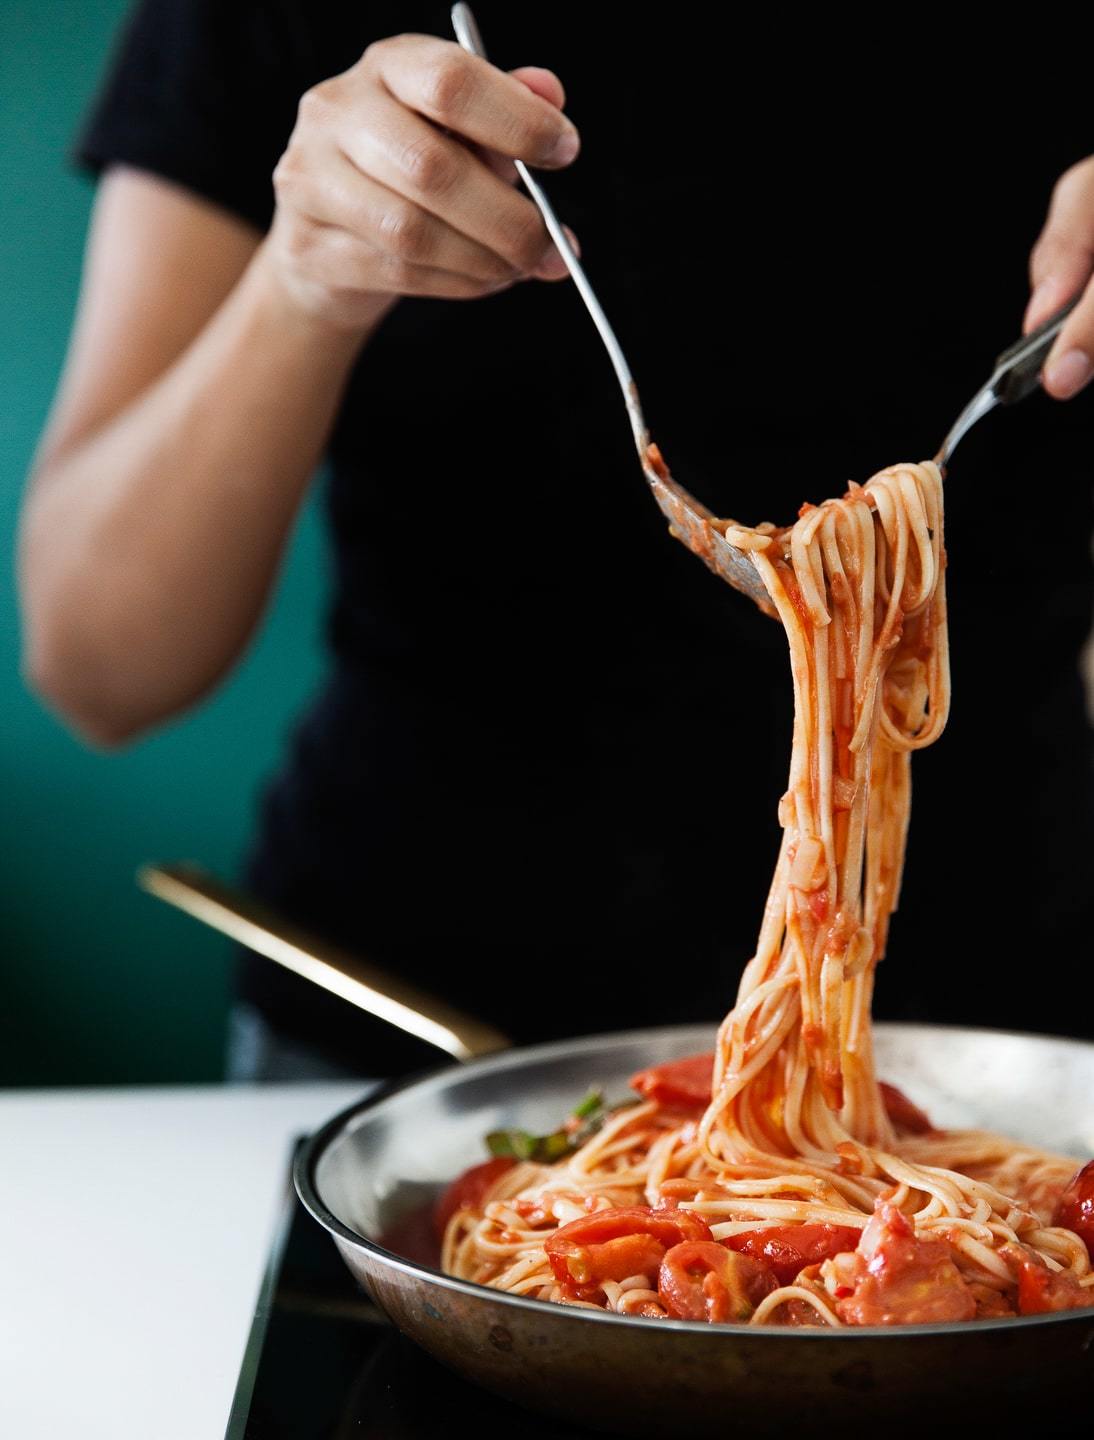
x,y
134,1228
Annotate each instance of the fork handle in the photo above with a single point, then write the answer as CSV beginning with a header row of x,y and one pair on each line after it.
x,y
1018,368
469,37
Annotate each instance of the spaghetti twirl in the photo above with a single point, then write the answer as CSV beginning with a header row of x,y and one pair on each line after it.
x,y
779,1181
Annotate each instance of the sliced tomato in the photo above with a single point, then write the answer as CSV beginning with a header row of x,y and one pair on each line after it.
x,y
894,1278
586,1267
612,1244
1040,1289
468,1190
787,1249
904,1113
702,1280
680,1084
1075,1207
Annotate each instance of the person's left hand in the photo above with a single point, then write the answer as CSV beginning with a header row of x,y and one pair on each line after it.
x,y
1060,266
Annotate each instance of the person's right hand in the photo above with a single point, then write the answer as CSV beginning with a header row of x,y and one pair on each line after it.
x,y
397,180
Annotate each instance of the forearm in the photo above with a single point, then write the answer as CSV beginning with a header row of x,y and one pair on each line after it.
x,y
160,506
148,548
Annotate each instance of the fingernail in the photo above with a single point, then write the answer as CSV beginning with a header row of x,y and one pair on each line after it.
x,y
566,147
1067,375
552,266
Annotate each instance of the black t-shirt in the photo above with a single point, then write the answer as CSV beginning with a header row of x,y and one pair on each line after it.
x,y
543,774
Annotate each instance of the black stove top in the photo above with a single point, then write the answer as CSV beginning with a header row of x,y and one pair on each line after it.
x,y
323,1363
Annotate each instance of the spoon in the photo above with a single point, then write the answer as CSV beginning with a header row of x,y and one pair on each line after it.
x,y
689,520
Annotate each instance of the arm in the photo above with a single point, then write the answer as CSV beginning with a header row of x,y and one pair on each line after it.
x,y
1060,267
193,407
207,365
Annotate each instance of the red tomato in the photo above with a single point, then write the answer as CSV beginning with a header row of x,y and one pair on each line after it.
x,y
1040,1289
679,1083
788,1249
893,1278
904,1114
1075,1208
702,1280
818,904
612,1244
468,1190
585,1268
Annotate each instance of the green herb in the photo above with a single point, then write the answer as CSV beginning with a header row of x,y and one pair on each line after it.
x,y
514,1144
593,1101
553,1147
584,1121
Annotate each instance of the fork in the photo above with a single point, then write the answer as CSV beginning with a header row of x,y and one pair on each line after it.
x,y
1017,373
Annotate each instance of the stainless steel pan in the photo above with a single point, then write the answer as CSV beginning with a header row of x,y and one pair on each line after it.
x,y
384,1159
387,1156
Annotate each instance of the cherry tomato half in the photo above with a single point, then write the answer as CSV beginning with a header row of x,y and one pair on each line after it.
x,y
702,1280
468,1190
682,1083
788,1249
1041,1290
612,1244
904,1113
1075,1208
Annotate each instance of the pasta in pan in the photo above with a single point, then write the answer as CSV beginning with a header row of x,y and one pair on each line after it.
x,y
779,1182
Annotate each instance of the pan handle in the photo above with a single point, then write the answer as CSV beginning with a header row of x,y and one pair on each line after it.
x,y
195,891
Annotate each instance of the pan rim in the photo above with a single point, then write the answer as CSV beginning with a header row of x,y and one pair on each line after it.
x,y
310,1153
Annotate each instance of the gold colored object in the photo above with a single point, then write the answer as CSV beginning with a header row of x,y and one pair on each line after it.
x,y
193,890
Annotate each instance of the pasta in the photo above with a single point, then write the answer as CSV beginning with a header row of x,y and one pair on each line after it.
x,y
780,1182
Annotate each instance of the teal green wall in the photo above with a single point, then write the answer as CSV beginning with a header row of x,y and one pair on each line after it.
x,y
99,983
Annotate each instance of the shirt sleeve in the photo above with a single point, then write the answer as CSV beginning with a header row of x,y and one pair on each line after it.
x,y
203,93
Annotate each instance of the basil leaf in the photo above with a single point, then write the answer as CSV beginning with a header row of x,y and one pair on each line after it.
x,y
553,1147
513,1144
520,1145
592,1102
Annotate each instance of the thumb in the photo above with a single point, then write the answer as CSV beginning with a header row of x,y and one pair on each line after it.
x,y
1062,259
1060,267
1070,364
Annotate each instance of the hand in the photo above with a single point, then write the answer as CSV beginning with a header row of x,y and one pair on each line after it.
x,y
397,180
1060,267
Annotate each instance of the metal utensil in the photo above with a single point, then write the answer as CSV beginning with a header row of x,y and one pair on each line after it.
x,y
197,893
689,520
1017,373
